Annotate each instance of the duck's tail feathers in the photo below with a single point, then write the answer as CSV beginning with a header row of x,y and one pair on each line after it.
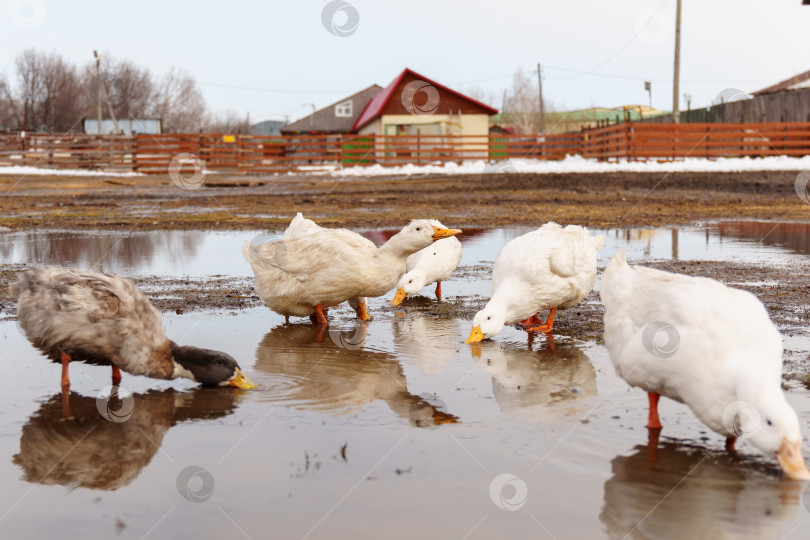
x,y
27,281
617,281
250,252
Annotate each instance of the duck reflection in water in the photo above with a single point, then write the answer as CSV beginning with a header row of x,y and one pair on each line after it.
x,y
689,492
339,374
544,385
90,451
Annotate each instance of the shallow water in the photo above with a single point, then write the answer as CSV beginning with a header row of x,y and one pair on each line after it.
x,y
202,253
395,428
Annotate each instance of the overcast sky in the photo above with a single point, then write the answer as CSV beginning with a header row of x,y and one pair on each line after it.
x,y
273,59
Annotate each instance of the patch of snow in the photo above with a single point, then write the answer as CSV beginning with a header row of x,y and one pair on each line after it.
x,y
578,164
32,171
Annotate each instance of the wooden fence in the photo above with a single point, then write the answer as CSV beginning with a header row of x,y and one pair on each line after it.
x,y
300,153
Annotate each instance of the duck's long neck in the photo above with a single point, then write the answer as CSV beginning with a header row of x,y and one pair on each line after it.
x,y
397,248
393,255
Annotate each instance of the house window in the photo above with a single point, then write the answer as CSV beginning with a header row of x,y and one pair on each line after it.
x,y
343,110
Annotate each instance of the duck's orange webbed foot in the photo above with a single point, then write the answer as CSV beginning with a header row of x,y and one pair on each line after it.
x,y
543,327
534,320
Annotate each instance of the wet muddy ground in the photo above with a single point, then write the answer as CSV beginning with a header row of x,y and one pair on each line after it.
x,y
483,200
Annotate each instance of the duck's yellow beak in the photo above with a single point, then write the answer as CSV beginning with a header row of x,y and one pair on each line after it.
x,y
399,297
791,460
240,381
476,335
439,233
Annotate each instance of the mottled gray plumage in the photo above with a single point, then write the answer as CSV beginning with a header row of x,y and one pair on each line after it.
x,y
97,318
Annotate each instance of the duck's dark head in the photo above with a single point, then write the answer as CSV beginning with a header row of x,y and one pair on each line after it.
x,y
207,367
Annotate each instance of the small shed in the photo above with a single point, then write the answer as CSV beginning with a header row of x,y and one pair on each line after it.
x,y
127,126
268,127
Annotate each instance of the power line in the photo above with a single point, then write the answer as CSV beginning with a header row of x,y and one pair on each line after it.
x,y
278,90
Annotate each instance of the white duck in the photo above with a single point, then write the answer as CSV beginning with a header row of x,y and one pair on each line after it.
x,y
312,268
722,355
552,267
430,265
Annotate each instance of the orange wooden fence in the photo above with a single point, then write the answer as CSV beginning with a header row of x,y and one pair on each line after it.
x,y
291,153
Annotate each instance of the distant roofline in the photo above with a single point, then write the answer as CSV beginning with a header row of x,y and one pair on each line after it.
x,y
374,107
784,85
341,100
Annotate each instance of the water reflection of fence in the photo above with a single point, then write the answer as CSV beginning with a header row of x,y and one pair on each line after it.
x,y
272,154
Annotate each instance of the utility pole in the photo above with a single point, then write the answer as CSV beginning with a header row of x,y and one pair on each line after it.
x,y
648,88
676,76
99,88
542,111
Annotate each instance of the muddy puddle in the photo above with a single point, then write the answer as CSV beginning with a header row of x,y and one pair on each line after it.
x,y
392,429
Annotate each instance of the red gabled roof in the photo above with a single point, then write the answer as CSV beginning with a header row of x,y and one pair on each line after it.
x,y
374,107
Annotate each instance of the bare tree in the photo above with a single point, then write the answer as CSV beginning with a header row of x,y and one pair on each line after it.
x,y
30,88
8,113
523,104
179,102
227,122
49,94
127,88
64,101
487,97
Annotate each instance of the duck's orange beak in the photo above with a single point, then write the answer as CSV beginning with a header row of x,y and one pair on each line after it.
x,y
791,460
439,233
399,297
240,381
476,335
